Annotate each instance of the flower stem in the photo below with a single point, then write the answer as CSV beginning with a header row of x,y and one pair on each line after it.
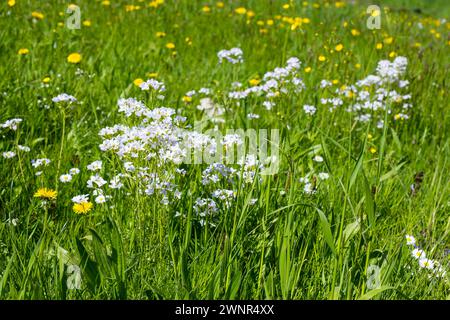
x,y
62,146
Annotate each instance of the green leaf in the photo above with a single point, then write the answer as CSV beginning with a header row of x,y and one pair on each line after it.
x,y
369,202
88,266
350,230
392,172
372,293
357,168
326,230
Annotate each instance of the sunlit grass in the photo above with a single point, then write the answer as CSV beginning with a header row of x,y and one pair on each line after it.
x,y
275,241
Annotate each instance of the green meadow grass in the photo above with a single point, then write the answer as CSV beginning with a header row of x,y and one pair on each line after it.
x,y
288,245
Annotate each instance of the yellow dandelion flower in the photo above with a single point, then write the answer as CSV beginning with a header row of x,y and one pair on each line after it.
x,y
389,40
240,10
250,14
254,82
46,80
308,69
397,116
156,3
11,3
82,207
296,25
137,82
152,74
335,81
393,54
187,99
355,32
74,58
358,65
106,3
160,34
87,23
45,193
369,136
372,150
220,4
306,20
37,15
339,47
339,4
286,6
206,9
379,46
322,58
170,45
23,51
270,22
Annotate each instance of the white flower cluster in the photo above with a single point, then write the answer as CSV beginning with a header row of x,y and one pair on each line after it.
x,y
311,180
310,110
234,55
376,94
205,92
67,177
205,207
250,167
8,154
11,123
279,81
23,148
98,183
82,198
95,166
160,140
216,172
64,97
212,110
36,163
153,84
390,72
333,103
225,195
424,262
132,107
